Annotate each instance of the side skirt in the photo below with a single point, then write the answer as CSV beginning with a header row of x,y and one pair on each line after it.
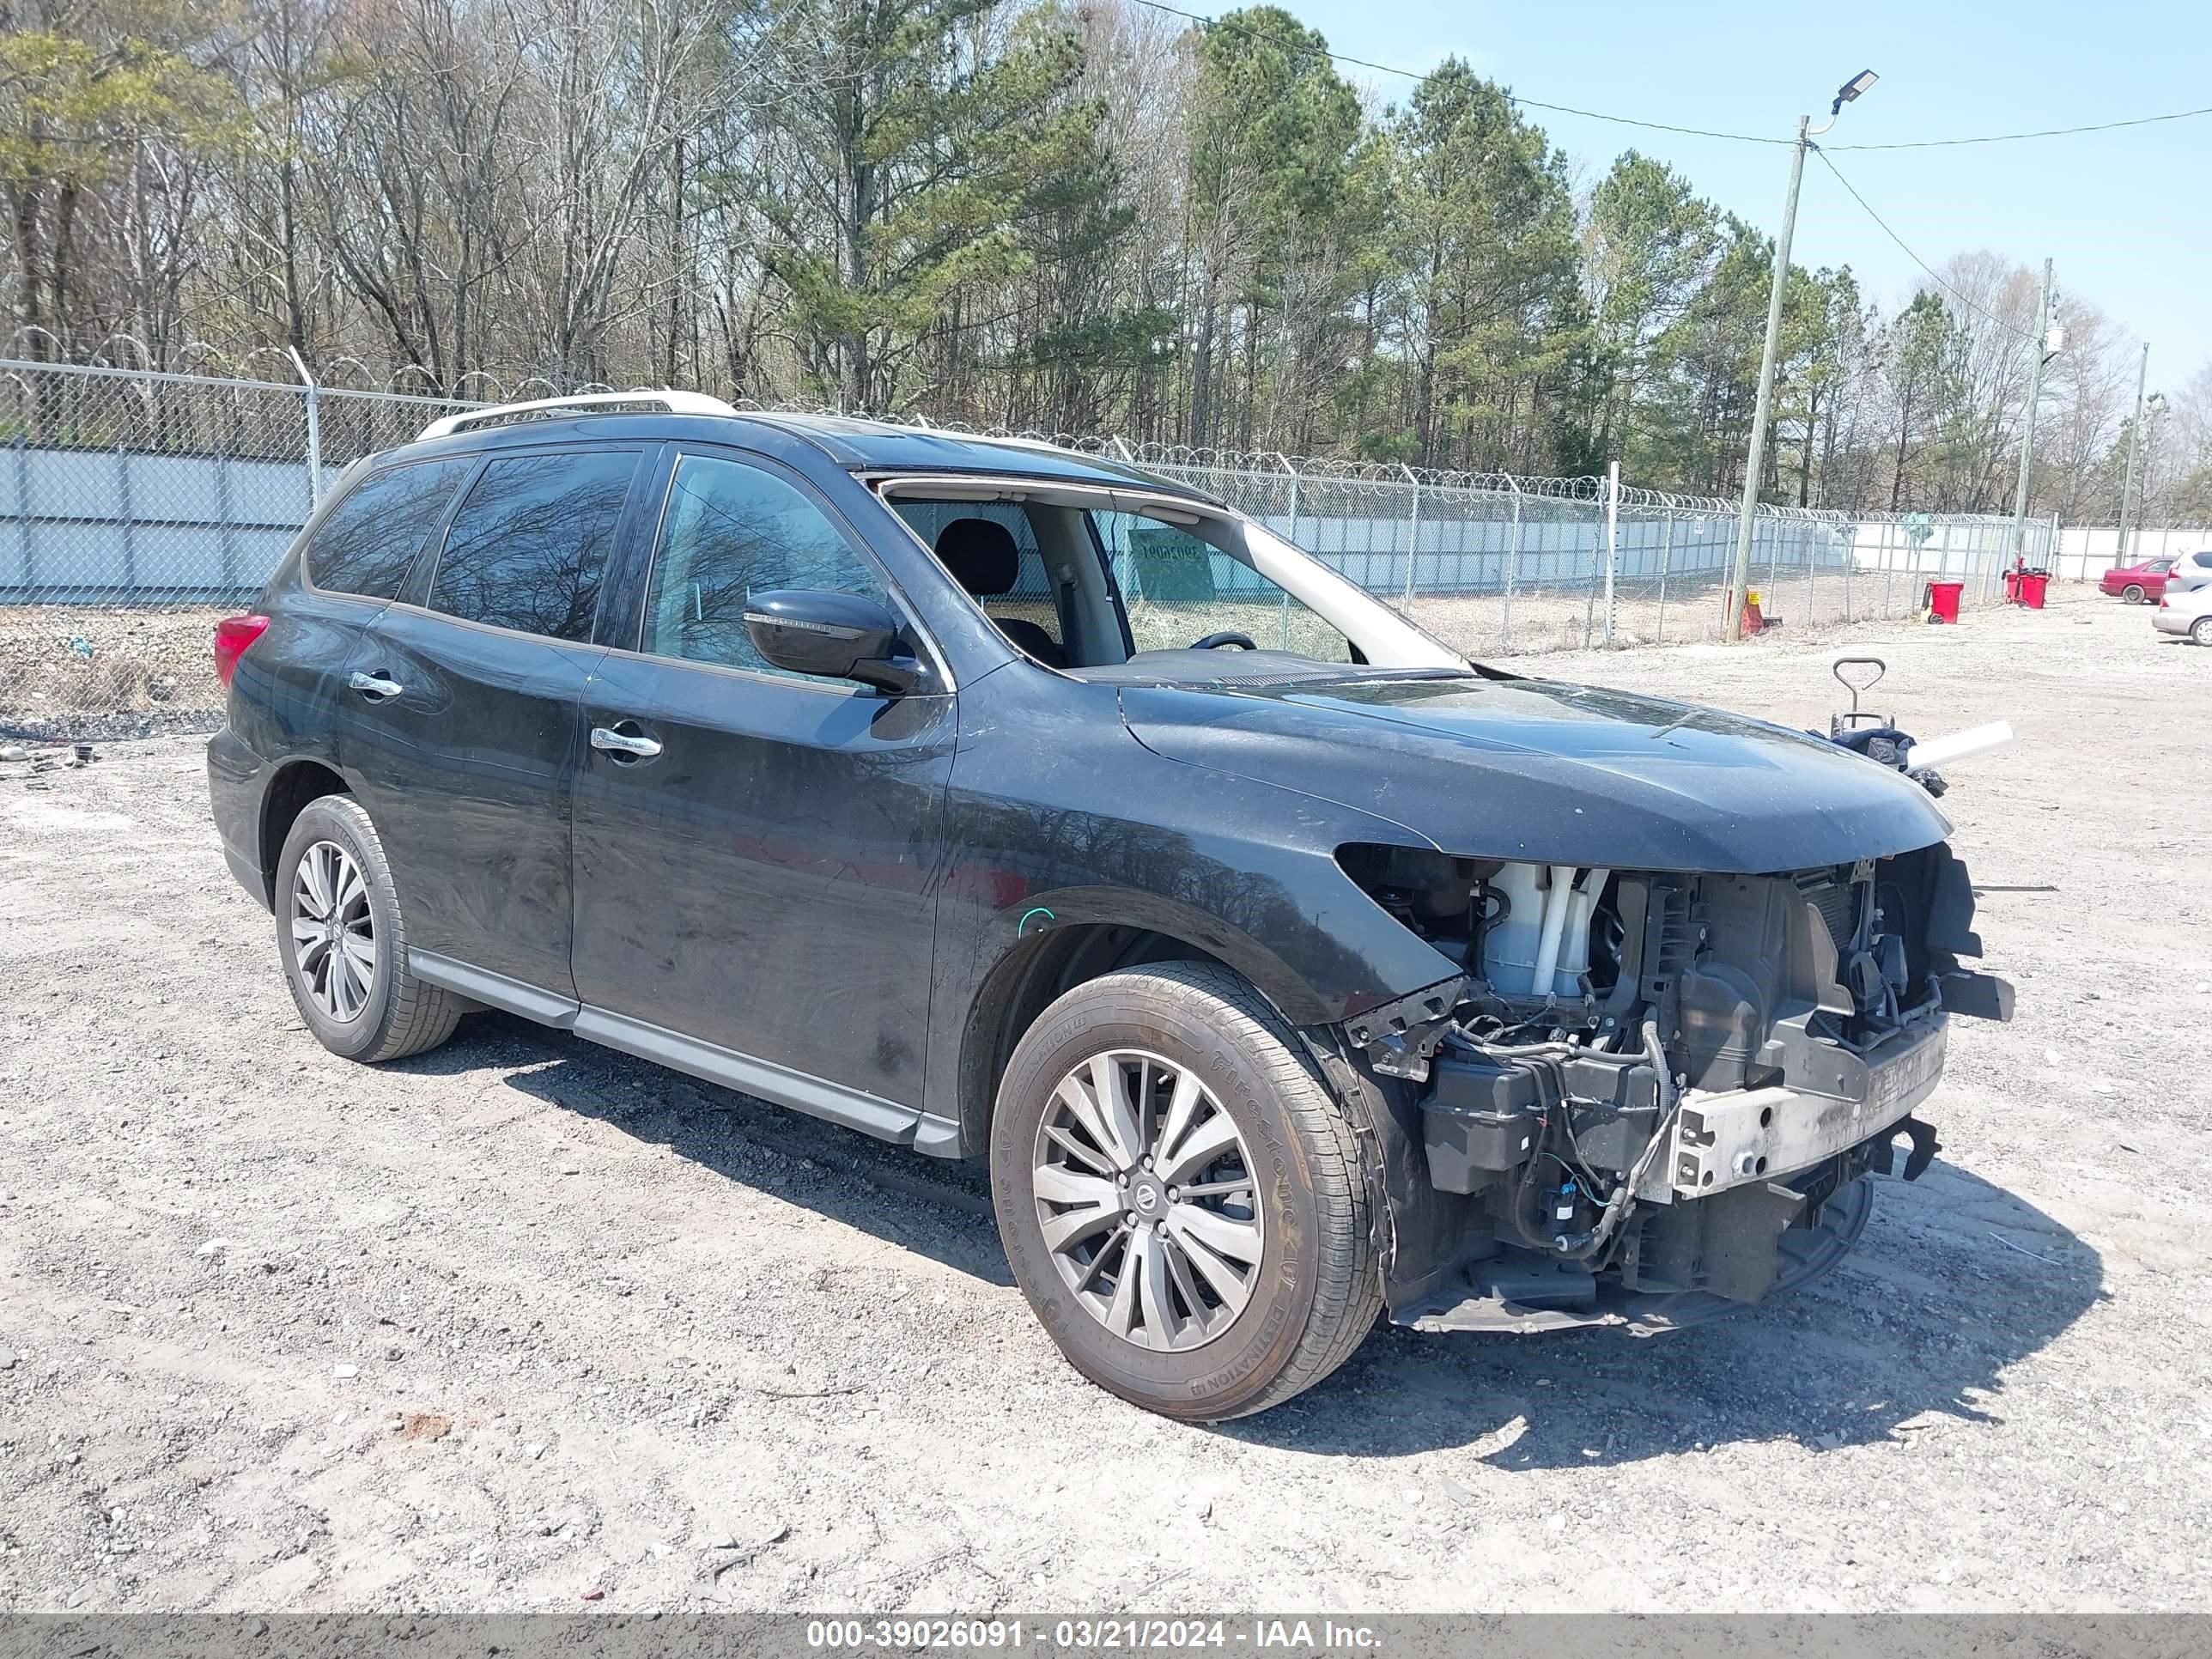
x,y
871,1114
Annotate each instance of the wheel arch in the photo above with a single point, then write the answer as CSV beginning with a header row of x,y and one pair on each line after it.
x,y
1049,960
291,788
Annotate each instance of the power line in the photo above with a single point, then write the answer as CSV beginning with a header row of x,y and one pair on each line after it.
x,y
1414,75
2044,132
1204,21
1934,275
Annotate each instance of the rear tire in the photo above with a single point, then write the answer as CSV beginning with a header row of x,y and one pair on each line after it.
x,y
2132,593
341,939
1216,1335
2200,631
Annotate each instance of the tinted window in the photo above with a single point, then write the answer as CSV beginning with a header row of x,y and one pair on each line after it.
x,y
371,538
529,546
732,531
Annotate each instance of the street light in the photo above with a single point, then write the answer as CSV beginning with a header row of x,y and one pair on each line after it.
x,y
2155,409
1755,462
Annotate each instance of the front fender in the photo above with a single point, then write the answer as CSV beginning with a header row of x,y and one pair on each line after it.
x,y
1062,819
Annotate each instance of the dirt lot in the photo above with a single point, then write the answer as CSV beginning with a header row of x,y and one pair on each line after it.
x,y
521,1320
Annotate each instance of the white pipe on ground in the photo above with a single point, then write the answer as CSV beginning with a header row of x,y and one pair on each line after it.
x,y
1940,751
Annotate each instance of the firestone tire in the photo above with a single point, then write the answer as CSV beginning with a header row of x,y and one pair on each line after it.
x,y
1313,1295
380,1010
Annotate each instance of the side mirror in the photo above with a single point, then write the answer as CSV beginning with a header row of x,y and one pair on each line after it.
x,y
840,637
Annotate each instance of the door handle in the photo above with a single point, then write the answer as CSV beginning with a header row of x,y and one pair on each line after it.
x,y
372,685
625,744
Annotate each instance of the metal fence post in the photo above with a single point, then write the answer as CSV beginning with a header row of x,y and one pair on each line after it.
x,y
1512,571
1666,558
314,431
1850,559
1881,554
22,448
1413,536
1612,540
129,518
1812,556
228,540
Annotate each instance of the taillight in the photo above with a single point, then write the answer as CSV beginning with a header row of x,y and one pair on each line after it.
x,y
232,635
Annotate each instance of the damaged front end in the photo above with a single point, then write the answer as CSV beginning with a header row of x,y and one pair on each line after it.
x,y
1652,1096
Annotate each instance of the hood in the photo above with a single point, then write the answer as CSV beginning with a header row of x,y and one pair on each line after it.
x,y
1549,772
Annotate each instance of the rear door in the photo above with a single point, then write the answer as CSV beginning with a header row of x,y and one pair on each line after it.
x,y
461,732
756,851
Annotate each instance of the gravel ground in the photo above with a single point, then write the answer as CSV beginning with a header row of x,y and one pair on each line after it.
x,y
522,1323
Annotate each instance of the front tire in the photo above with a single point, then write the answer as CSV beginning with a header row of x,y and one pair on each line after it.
x,y
2132,593
1182,1198
342,940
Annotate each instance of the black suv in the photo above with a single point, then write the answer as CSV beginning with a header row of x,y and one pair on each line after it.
x,y
1008,804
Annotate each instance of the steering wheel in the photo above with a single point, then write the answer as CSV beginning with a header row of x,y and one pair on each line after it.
x,y
1226,636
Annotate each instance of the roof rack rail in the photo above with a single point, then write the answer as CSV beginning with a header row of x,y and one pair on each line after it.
x,y
663,402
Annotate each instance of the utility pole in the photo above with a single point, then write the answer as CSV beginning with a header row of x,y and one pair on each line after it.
x,y
2135,448
1755,461
2027,438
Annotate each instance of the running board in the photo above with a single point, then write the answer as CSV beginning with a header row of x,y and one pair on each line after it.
x,y
871,1114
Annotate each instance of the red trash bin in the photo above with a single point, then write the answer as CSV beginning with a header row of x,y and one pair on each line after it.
x,y
2012,586
2032,584
1943,600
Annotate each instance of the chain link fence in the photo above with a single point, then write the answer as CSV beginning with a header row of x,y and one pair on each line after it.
x,y
1506,565
129,492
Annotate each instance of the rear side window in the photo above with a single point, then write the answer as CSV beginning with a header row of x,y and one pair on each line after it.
x,y
730,531
528,548
369,541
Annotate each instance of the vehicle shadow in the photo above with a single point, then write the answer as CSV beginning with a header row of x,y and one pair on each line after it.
x,y
937,1209
1954,1280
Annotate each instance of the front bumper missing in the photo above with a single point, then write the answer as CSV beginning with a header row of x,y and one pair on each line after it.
x,y
1482,1298
1746,1135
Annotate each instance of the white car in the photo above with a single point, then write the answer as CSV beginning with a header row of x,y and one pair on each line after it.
x,y
2191,572
2188,610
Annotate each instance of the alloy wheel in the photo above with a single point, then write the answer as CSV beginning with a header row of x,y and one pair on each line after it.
x,y
1149,1201
333,932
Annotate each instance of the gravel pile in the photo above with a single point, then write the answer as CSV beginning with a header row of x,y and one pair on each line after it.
x,y
103,674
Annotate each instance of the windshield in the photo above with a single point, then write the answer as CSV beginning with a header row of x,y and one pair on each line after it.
x,y
1179,590
1078,577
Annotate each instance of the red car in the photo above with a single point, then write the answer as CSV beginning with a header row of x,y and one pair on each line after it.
x,y
2136,582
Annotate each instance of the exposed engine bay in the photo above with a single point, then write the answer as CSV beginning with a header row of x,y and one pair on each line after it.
x,y
1653,1094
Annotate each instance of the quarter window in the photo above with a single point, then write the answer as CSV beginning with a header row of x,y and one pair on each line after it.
x,y
528,549
369,542
732,531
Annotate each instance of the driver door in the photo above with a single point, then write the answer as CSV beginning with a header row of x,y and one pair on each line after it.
x,y
757,852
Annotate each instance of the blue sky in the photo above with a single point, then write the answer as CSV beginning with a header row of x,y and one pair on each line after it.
x,y
2127,215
